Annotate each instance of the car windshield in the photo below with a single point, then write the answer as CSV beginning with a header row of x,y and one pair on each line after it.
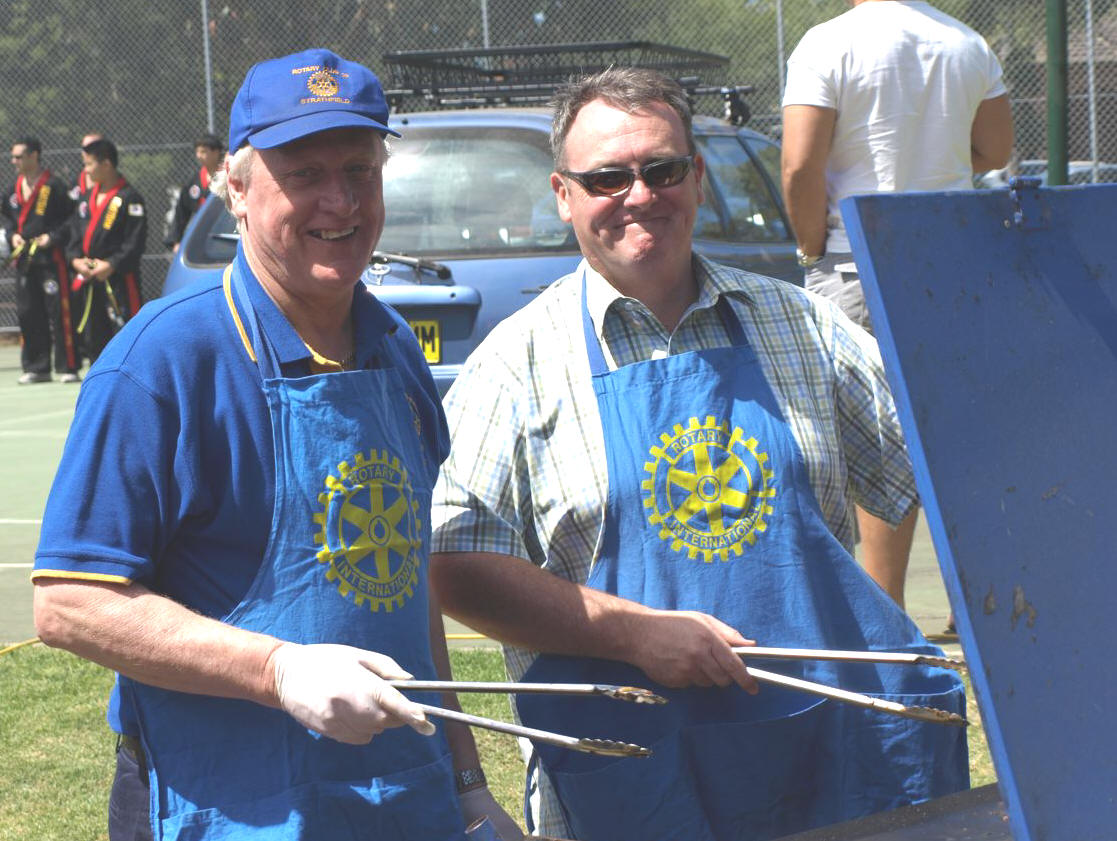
x,y
471,191
485,191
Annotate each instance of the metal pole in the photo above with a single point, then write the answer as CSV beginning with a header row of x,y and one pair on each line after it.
x,y
208,68
779,45
1091,91
485,23
1056,92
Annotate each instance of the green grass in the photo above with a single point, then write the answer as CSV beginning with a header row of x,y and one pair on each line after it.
x,y
56,752
500,753
981,763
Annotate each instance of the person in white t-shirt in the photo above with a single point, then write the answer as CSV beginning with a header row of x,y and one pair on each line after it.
x,y
892,96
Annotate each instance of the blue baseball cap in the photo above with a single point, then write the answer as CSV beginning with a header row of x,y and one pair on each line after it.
x,y
283,99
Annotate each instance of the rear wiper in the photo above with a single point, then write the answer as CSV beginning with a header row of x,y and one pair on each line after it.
x,y
383,258
441,271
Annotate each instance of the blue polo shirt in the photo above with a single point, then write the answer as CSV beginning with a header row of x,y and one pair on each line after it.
x,y
168,474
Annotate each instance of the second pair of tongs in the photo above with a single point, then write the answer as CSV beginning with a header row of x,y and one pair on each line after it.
x,y
858,699
620,693
895,657
603,747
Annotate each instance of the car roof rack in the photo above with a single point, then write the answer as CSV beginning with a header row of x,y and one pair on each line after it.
x,y
528,75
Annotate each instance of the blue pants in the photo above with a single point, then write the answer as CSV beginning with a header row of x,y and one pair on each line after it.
x,y
129,810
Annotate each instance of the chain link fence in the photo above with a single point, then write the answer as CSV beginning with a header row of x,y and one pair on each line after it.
x,y
153,74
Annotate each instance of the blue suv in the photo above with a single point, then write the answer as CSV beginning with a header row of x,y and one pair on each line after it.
x,y
473,233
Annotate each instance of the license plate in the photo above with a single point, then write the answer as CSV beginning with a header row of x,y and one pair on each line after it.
x,y
430,339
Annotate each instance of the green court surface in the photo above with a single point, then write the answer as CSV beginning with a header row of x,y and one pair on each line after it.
x,y
34,420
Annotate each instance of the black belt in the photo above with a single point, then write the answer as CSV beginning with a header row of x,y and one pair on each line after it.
x,y
131,746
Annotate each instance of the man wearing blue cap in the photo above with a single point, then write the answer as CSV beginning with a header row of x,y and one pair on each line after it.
x,y
275,438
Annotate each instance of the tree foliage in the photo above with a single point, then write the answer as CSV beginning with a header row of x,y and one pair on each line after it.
x,y
134,69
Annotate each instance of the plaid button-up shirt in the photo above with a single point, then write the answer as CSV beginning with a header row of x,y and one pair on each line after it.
x,y
527,473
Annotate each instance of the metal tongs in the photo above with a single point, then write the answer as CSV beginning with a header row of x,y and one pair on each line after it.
x,y
918,713
603,747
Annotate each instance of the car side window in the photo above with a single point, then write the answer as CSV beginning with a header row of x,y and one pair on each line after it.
x,y
708,223
768,153
733,178
219,246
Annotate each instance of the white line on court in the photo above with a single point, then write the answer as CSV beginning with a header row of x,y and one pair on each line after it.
x,y
4,522
16,566
33,419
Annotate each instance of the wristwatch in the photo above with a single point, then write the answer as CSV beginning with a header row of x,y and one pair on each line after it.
x,y
805,260
469,778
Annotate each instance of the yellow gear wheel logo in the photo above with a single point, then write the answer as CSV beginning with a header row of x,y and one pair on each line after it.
x,y
708,490
370,531
322,83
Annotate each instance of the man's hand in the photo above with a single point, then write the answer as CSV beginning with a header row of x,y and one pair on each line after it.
x,y
91,268
478,803
687,648
99,269
339,691
16,241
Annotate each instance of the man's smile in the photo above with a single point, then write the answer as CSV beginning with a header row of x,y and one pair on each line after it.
x,y
340,233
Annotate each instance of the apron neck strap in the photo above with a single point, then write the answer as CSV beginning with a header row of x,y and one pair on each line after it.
x,y
598,365
259,349
731,322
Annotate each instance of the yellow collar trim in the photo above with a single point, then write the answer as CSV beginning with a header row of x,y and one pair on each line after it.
x,y
226,282
321,365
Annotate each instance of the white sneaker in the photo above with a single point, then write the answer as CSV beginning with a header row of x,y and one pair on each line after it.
x,y
69,378
32,377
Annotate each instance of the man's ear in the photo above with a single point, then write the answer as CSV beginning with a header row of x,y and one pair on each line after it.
x,y
561,197
699,171
237,201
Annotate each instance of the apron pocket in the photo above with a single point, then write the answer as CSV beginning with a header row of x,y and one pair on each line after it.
x,y
756,780
412,804
649,797
886,761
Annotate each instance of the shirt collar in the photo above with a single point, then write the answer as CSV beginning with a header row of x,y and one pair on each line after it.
x,y
713,282
600,297
371,320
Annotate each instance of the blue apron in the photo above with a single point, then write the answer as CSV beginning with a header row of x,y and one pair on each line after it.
x,y
346,563
710,508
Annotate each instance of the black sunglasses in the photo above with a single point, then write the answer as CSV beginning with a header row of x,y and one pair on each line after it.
x,y
615,181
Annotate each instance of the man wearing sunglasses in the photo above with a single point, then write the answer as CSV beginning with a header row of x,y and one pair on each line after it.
x,y
654,459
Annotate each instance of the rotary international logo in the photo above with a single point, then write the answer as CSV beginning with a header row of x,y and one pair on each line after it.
x,y
322,83
370,533
708,489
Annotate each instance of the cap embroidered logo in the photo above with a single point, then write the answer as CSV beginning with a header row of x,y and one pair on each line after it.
x,y
322,83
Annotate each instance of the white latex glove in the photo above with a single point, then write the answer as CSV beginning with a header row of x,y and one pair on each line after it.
x,y
478,803
339,691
